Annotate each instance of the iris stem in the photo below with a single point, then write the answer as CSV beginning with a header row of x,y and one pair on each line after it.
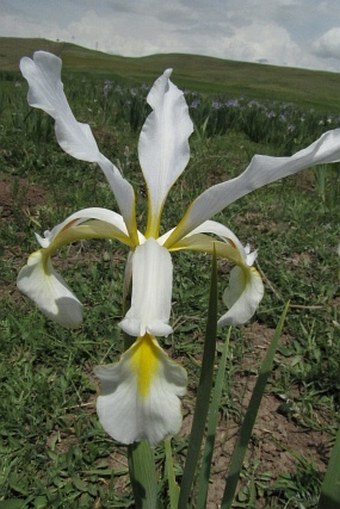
x,y
142,470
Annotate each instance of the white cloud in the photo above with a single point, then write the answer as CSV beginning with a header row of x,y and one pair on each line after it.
x,y
258,41
280,32
13,25
328,45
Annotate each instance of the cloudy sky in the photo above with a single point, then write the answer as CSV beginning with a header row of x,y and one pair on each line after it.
x,y
297,33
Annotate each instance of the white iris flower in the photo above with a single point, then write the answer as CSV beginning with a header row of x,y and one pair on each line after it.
x,y
140,394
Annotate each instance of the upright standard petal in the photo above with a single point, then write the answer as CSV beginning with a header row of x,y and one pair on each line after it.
x,y
41,283
163,145
46,92
262,170
151,291
140,394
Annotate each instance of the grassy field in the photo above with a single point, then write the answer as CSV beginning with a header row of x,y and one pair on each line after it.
x,y
53,451
317,89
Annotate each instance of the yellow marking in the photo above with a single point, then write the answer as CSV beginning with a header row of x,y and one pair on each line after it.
x,y
153,222
231,242
145,362
68,225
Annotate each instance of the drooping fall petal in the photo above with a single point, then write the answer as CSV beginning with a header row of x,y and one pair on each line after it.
x,y
41,283
243,295
151,291
245,289
163,144
139,396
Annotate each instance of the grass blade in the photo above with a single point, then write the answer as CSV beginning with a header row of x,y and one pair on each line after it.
x,y
250,417
330,489
204,475
170,473
203,394
143,476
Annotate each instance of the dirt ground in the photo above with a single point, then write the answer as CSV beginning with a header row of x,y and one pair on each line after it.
x,y
277,439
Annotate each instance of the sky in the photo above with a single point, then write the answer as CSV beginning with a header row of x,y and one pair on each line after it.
x,y
295,33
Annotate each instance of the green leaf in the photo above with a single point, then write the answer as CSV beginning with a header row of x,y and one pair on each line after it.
x,y
172,484
12,503
330,489
203,394
79,484
204,474
250,417
40,502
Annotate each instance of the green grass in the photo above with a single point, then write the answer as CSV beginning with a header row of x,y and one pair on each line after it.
x,y
54,452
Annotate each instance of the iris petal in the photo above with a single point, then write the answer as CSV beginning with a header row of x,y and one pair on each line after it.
x,y
41,283
151,291
262,170
245,289
243,295
140,394
75,138
89,223
163,144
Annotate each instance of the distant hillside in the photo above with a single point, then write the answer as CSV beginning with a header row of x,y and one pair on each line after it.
x,y
316,89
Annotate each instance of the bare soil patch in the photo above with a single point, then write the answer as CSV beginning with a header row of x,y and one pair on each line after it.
x,y
18,192
277,440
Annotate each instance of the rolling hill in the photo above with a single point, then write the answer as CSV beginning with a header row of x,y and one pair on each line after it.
x,y
317,89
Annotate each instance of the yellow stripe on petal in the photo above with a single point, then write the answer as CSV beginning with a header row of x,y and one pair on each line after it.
x,y
145,362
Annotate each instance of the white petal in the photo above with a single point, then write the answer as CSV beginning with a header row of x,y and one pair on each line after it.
x,y
229,247
246,288
221,231
247,256
75,138
93,222
243,295
163,144
151,291
139,395
261,171
41,283
46,92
